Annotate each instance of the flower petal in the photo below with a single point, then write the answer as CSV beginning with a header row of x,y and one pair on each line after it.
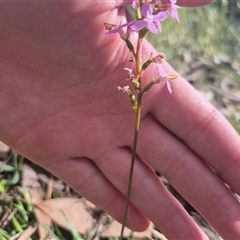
x,y
119,30
111,32
168,85
138,25
152,27
162,72
174,14
161,16
130,72
146,11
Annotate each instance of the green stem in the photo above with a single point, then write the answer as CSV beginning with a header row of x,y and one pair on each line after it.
x,y
134,151
138,59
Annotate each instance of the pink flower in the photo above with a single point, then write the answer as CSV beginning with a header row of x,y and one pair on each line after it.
x,y
172,7
112,29
174,12
149,19
130,73
164,75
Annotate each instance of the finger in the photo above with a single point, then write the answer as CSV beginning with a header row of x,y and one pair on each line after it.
x,y
190,3
202,128
191,177
149,195
83,176
193,3
184,3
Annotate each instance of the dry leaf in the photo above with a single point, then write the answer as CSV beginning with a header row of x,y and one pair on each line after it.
x,y
30,177
44,223
57,184
73,208
41,216
4,149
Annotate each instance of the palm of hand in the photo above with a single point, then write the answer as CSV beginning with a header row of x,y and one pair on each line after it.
x,y
64,103
69,83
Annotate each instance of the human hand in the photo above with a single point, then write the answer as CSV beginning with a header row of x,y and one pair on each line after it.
x,y
58,81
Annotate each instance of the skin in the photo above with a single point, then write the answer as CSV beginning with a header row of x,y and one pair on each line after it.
x,y
60,108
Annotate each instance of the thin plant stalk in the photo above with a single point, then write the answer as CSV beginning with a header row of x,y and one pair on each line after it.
x,y
135,140
134,151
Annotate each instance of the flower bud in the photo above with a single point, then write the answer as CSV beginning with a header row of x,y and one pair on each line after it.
x,y
159,58
146,64
149,85
133,101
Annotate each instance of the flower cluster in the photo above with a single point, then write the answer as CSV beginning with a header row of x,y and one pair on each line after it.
x,y
148,18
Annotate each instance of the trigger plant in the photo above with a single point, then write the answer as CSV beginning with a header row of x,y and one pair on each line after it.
x,y
147,19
